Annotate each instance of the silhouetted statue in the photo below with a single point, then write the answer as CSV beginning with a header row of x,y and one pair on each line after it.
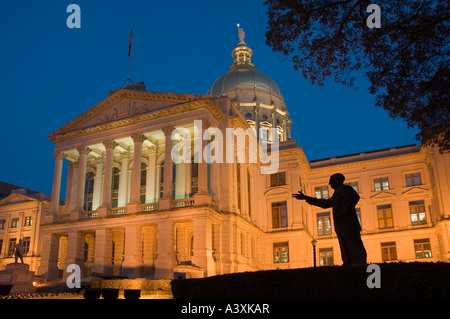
x,y
19,250
346,222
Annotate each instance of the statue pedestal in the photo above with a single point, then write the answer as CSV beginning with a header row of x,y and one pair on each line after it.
x,y
20,277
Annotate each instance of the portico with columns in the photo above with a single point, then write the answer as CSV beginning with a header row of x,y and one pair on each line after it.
x,y
126,200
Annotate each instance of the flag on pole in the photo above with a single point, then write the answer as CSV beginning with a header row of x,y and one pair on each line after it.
x,y
130,40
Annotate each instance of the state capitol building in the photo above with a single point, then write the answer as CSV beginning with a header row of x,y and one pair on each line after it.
x,y
131,210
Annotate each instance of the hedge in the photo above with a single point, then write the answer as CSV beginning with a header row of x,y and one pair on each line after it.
x,y
397,280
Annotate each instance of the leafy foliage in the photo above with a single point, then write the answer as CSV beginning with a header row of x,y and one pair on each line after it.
x,y
407,60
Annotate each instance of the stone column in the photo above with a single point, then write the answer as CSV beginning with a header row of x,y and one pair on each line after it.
x,y
203,246
56,189
75,251
103,252
150,188
165,260
81,178
202,196
71,176
98,181
165,201
132,262
106,195
136,177
123,179
48,266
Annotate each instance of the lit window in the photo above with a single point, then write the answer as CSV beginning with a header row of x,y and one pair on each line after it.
x,y
326,257
280,253
323,224
354,185
413,179
28,221
14,222
417,213
12,244
321,192
381,184
422,248
358,214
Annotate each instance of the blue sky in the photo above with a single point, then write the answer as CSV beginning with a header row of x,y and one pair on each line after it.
x,y
50,74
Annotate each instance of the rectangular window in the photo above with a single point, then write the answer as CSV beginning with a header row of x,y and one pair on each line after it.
x,y
388,251
321,192
243,245
280,253
2,223
326,257
354,185
323,224
422,248
358,214
385,219
28,221
11,244
278,179
417,213
413,179
14,222
381,184
26,245
279,215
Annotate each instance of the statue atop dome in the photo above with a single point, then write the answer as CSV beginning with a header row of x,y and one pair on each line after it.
x,y
241,34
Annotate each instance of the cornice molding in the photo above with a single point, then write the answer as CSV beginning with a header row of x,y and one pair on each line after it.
x,y
185,103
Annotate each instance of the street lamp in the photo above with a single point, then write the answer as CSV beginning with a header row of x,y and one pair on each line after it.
x,y
314,242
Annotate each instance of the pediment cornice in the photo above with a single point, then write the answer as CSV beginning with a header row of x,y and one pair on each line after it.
x,y
127,107
16,199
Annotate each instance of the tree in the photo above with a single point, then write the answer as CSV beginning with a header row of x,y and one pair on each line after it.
x,y
406,60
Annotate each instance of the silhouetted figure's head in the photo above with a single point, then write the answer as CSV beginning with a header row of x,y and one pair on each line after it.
x,y
336,180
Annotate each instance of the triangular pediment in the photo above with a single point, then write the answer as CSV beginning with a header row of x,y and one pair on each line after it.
x,y
383,194
16,199
415,190
121,105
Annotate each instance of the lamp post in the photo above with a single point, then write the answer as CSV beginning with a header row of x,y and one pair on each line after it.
x,y
314,242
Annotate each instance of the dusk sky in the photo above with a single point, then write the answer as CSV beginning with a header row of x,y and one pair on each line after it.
x,y
50,74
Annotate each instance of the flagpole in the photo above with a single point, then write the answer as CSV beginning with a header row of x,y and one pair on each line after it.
x,y
130,39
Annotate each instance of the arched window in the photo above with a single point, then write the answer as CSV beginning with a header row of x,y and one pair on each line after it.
x,y
194,178
249,193
88,191
115,187
191,246
238,186
143,182
161,181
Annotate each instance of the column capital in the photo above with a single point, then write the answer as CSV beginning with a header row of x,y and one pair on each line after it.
x,y
83,150
110,143
124,155
59,155
138,137
167,130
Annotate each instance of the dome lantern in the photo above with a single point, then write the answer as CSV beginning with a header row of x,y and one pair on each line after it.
x,y
256,95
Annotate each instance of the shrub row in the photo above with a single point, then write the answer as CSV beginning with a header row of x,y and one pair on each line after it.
x,y
398,280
